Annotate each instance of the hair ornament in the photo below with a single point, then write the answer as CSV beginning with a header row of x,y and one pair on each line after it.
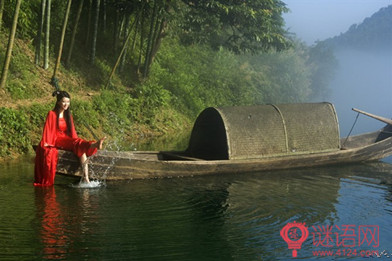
x,y
55,93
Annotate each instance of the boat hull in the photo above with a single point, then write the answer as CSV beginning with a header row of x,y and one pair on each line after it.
x,y
149,164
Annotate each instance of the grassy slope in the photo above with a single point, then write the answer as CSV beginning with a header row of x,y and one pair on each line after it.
x,y
27,98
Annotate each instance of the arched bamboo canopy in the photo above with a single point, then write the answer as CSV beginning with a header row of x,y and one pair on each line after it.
x,y
245,132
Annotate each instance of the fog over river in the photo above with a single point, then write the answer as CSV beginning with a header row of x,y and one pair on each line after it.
x,y
363,81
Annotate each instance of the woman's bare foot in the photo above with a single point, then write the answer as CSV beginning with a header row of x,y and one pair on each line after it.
x,y
98,144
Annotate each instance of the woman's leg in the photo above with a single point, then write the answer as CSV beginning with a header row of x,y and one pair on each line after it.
x,y
84,164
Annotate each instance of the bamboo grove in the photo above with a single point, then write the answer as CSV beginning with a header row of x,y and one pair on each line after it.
x,y
131,31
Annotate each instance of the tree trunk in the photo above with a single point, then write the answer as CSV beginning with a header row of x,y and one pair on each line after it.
x,y
62,39
95,33
38,39
122,53
1,12
135,34
88,23
7,59
128,30
104,16
75,28
141,43
158,41
150,40
115,30
47,33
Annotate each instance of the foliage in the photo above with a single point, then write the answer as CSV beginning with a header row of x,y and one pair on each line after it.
x,y
36,115
84,116
13,132
150,98
199,77
239,26
27,22
117,108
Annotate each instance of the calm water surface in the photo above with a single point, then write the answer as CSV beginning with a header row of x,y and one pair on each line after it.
x,y
231,217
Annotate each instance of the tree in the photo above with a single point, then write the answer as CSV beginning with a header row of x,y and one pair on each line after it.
x,y
39,33
90,5
7,59
75,28
122,53
62,40
237,25
95,32
47,34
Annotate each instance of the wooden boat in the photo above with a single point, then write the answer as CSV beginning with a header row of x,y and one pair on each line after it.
x,y
121,165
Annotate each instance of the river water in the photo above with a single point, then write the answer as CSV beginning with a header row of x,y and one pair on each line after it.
x,y
347,210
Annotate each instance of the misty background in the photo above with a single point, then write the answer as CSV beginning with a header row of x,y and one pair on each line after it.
x,y
363,77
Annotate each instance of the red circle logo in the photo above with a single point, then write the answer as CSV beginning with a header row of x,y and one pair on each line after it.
x,y
294,234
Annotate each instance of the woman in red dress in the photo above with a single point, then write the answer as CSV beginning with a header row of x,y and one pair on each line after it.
x,y
59,133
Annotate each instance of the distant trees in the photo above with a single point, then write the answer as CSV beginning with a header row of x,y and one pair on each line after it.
x,y
239,26
323,65
373,34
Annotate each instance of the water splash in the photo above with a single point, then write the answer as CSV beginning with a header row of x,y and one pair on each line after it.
x,y
91,184
97,170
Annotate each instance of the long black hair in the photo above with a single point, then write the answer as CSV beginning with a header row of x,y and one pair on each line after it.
x,y
67,113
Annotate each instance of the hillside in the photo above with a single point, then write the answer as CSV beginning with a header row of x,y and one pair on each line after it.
x,y
374,33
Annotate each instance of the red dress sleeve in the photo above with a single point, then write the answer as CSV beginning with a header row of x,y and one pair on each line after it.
x,y
46,153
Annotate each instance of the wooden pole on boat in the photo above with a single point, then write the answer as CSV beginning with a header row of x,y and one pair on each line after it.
x,y
386,120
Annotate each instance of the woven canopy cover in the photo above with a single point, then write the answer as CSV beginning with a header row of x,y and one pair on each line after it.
x,y
247,132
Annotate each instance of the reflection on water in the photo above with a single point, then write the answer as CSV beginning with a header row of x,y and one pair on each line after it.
x,y
53,236
218,217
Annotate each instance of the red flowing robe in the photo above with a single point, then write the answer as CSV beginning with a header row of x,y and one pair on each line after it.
x,y
55,137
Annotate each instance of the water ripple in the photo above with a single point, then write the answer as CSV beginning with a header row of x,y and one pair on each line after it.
x,y
231,217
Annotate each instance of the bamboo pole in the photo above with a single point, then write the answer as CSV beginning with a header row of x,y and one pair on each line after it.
x,y
120,55
385,120
47,34
75,28
7,59
62,39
